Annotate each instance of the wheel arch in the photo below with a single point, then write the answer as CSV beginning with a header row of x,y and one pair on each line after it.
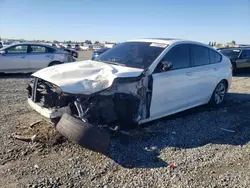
x,y
225,80
54,63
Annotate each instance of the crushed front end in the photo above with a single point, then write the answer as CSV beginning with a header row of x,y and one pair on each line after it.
x,y
47,99
121,105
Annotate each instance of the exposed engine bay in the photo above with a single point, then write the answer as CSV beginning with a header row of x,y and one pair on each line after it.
x,y
123,104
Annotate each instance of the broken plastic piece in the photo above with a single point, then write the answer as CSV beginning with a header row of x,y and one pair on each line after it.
x,y
25,138
228,130
172,166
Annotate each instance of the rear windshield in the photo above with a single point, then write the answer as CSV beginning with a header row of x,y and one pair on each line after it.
x,y
232,53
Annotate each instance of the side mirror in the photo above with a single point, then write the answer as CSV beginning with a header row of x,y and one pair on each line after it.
x,y
2,52
165,66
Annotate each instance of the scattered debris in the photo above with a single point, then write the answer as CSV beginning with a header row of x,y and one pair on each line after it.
x,y
25,138
35,123
36,166
172,166
40,131
228,130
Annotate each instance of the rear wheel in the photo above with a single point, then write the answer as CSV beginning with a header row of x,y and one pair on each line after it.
x,y
219,94
74,55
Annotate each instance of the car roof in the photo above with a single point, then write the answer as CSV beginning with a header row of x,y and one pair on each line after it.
x,y
235,48
31,43
169,41
156,40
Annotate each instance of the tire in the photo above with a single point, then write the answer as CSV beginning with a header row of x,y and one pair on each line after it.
x,y
74,55
219,94
84,134
54,63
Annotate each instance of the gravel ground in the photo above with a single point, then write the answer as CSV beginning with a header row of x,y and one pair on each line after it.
x,y
201,147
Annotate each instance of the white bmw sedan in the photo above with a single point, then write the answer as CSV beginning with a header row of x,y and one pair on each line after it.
x,y
135,82
30,57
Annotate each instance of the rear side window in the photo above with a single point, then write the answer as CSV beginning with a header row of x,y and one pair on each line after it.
x,y
245,54
231,53
37,49
200,55
178,56
214,57
40,49
50,50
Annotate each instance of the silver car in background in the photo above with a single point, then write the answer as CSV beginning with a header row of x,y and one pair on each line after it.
x,y
30,57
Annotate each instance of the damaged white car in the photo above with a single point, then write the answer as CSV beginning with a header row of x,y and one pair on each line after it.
x,y
135,82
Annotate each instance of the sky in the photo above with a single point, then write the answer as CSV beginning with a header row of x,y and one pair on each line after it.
x,y
119,20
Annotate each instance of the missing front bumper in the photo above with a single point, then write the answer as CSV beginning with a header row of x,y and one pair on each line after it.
x,y
49,113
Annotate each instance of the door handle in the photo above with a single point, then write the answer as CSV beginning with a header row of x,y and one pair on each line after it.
x,y
22,57
215,69
189,73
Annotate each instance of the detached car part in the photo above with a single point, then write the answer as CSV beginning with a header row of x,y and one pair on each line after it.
x,y
84,134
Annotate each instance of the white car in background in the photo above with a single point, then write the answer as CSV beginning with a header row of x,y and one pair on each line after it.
x,y
30,57
6,43
133,83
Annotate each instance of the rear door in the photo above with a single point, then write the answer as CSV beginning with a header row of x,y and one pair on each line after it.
x,y
244,60
203,74
15,59
39,56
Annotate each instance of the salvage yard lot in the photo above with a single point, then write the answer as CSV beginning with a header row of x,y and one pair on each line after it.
x,y
208,147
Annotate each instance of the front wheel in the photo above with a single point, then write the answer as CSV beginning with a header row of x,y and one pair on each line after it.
x,y
219,94
74,55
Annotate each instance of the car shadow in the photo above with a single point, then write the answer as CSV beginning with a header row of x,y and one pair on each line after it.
x,y
15,75
144,147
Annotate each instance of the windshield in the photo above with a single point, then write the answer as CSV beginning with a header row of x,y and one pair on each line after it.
x,y
232,53
133,54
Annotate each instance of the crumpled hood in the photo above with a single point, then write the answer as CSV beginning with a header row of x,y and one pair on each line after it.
x,y
85,77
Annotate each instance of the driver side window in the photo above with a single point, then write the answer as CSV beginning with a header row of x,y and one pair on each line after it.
x,y
179,56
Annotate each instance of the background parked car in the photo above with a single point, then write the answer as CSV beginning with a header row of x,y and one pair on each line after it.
x,y
30,57
74,53
240,57
98,52
6,43
1,44
77,47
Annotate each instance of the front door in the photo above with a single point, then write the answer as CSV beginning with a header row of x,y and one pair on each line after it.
x,y
173,88
14,59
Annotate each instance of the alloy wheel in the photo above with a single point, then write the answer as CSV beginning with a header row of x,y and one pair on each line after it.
x,y
220,93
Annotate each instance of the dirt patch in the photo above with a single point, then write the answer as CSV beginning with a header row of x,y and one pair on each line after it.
x,y
40,131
